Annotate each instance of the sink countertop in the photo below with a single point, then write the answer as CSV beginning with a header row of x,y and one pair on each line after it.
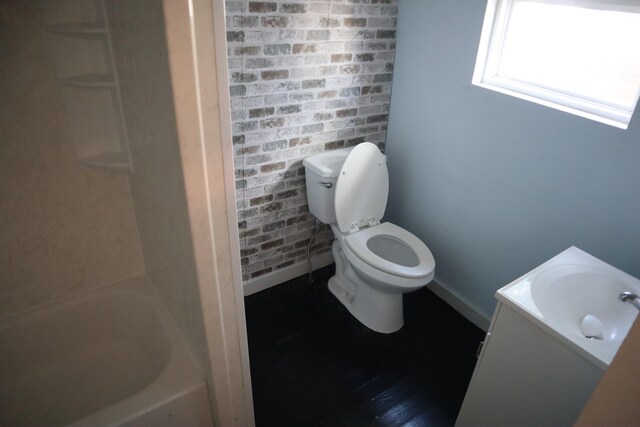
x,y
524,296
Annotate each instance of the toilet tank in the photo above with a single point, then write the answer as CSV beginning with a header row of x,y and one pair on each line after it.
x,y
321,172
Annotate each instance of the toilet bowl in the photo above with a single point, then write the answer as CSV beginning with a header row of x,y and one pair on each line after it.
x,y
376,262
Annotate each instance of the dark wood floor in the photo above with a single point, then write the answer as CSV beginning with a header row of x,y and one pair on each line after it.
x,y
313,364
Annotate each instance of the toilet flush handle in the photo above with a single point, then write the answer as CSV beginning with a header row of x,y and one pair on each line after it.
x,y
326,184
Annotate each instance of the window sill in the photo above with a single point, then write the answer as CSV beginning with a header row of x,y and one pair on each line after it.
x,y
569,104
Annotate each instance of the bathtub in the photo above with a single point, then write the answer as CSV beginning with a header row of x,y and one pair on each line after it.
x,y
111,356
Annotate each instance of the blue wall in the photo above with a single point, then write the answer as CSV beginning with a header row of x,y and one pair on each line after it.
x,y
493,184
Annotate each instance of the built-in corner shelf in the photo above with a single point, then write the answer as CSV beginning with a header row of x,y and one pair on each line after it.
x,y
107,160
83,53
89,80
78,30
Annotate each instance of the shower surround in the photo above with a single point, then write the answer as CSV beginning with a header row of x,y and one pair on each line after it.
x,y
305,77
64,229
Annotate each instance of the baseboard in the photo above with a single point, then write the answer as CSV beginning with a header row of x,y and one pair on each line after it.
x,y
460,305
438,287
280,276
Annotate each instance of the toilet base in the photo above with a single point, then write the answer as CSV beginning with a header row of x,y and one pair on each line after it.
x,y
387,318
379,311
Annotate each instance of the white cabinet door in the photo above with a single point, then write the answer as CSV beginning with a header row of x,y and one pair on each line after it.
x,y
525,377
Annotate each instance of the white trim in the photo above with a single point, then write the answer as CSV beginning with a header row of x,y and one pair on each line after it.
x,y
224,103
617,5
559,102
191,37
442,291
485,75
459,304
280,276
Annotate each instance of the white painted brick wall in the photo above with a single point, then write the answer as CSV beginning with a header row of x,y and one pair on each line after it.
x,y
305,77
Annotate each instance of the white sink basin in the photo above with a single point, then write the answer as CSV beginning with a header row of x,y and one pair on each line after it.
x,y
574,296
565,294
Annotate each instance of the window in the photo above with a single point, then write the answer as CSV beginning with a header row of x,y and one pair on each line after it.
x,y
578,56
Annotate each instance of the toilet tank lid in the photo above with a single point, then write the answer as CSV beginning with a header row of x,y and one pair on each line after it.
x,y
328,163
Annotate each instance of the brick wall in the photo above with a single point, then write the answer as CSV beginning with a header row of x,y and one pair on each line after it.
x,y
305,77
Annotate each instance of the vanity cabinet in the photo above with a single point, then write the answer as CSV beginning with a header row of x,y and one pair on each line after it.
x,y
83,55
526,377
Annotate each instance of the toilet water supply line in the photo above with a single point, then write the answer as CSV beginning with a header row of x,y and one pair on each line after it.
x,y
313,236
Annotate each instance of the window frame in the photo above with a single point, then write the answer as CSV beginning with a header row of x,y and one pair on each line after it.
x,y
492,39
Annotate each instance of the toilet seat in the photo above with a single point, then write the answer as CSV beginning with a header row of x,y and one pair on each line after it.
x,y
358,244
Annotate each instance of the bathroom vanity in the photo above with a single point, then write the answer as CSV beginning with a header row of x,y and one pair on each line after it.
x,y
544,352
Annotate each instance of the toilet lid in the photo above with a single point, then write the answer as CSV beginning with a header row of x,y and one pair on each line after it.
x,y
362,187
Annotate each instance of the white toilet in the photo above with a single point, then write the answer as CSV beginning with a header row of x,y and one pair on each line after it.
x,y
376,262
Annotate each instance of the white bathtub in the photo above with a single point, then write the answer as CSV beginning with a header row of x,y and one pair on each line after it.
x,y
108,357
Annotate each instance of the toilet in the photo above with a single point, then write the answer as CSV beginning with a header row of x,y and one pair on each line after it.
x,y
376,262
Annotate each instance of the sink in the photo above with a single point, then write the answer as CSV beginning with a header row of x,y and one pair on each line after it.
x,y
565,294
574,296
553,335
